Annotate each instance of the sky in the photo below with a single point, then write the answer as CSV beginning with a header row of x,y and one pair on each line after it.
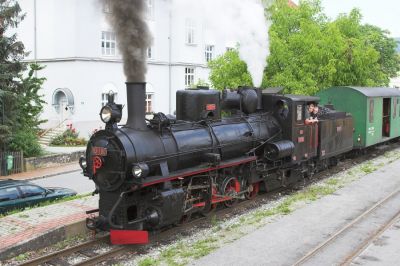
x,y
382,13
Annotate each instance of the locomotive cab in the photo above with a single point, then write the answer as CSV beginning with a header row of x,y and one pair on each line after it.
x,y
317,142
290,111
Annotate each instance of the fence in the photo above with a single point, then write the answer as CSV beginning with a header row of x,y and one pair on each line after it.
x,y
11,163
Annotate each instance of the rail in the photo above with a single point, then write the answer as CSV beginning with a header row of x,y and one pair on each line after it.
x,y
354,223
65,252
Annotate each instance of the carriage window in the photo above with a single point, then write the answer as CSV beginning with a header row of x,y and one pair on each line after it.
x,y
299,112
371,110
394,107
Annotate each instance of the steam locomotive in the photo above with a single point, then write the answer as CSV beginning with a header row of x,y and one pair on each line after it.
x,y
221,147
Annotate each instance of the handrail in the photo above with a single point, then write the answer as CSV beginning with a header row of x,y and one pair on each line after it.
x,y
49,129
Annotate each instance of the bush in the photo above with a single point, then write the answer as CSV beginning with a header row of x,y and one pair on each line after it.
x,y
69,137
26,141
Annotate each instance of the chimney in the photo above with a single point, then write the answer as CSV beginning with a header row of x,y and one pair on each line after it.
x,y
136,97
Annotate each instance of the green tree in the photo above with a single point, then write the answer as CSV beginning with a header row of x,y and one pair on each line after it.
x,y
229,71
19,93
389,59
309,52
358,62
11,54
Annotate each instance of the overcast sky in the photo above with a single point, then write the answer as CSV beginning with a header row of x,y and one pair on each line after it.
x,y
382,13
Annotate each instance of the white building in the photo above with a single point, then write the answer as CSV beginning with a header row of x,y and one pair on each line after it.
x,y
395,82
77,45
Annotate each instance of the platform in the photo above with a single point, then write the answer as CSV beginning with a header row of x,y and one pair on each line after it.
x,y
38,227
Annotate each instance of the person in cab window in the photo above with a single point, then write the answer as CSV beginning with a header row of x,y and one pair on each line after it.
x,y
308,116
315,113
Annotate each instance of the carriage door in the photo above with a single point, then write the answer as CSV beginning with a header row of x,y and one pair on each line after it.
x,y
386,117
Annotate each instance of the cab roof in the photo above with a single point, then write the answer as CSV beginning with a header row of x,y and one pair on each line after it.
x,y
302,98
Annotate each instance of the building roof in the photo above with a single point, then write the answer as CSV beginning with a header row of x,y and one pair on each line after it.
x,y
376,91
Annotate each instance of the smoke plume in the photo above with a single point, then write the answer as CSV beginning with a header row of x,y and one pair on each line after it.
x,y
242,21
128,18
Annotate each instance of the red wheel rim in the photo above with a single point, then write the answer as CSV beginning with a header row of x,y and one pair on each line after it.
x,y
254,191
232,187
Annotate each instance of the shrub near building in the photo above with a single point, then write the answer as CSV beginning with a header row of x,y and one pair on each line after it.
x,y
69,137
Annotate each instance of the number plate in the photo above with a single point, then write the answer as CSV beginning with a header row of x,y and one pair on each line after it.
x,y
99,151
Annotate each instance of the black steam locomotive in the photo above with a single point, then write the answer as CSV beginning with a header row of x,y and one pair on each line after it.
x,y
155,173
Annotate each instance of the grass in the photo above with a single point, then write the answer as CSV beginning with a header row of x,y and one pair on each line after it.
x,y
368,168
21,257
69,241
42,204
221,233
149,262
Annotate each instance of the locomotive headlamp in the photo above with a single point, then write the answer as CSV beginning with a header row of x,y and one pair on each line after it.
x,y
137,171
82,163
111,113
140,170
106,114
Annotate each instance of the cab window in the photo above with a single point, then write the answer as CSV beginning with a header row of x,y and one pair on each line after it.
x,y
282,109
10,193
29,191
299,112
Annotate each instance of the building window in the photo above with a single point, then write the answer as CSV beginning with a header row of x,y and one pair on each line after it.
x,y
189,76
190,31
108,43
209,52
106,6
150,9
149,53
104,98
149,103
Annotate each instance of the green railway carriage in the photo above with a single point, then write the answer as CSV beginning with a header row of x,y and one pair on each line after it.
x,y
376,112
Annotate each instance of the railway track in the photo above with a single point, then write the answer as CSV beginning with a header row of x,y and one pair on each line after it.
x,y
54,257
350,241
169,235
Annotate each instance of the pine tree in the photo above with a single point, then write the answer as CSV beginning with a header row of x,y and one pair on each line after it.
x,y
19,94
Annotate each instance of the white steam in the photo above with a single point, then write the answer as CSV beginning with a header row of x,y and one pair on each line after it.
x,y
241,21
